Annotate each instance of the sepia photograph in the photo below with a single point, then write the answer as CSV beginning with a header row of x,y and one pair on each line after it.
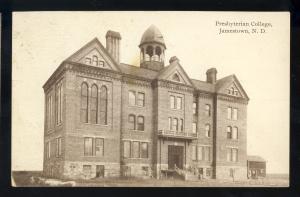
x,y
150,99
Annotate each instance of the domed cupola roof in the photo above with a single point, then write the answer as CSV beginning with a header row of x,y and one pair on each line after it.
x,y
152,35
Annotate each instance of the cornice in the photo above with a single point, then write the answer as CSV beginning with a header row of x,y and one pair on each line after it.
x,y
173,86
232,99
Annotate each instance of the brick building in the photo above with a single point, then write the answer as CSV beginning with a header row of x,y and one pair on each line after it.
x,y
106,118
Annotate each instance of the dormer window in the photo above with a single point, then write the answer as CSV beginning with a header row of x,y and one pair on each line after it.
x,y
101,64
176,78
88,61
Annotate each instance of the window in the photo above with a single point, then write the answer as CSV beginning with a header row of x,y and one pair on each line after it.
x,y
99,146
229,132
235,133
175,124
103,105
231,172
170,123
87,170
126,150
84,103
208,172
194,127
176,78
194,154
93,146
207,110
181,125
194,108
88,61
135,149
235,114
94,105
95,60
131,121
58,147
172,102
207,130
59,102
48,150
131,95
207,153
88,146
141,99
49,110
101,64
200,153
144,150
140,123
229,112
232,154
179,103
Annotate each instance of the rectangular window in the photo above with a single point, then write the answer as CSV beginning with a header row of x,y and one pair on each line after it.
x,y
200,153
58,147
131,96
141,99
235,114
87,170
170,123
228,157
175,124
208,172
144,150
49,112
194,153
135,149
194,127
229,112
179,103
207,110
88,61
99,146
59,102
140,123
88,146
181,125
101,64
234,155
172,102
131,121
127,148
48,150
194,108
207,153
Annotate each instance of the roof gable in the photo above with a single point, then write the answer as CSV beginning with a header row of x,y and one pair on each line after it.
x,y
230,85
94,54
174,72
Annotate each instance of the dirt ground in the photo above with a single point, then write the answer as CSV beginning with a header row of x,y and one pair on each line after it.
x,y
23,179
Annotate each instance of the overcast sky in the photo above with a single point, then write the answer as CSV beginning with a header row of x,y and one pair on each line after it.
x,y
42,40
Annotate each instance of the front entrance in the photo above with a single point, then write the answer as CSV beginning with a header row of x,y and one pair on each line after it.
x,y
175,157
99,171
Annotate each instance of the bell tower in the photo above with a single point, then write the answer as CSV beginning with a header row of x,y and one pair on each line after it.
x,y
152,49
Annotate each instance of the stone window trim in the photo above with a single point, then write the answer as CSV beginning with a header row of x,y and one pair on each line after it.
x,y
135,122
208,130
230,154
232,113
208,110
137,99
131,147
176,124
94,138
174,99
232,132
206,154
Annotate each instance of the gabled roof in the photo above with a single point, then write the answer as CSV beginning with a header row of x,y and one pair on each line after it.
x,y
202,85
255,158
95,41
226,81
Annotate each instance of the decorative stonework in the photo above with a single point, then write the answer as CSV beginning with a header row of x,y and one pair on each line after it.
x,y
144,83
232,99
173,86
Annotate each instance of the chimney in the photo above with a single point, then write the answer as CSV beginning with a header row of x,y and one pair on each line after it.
x,y
211,75
113,44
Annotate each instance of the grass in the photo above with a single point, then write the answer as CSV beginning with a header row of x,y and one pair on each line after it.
x,y
22,179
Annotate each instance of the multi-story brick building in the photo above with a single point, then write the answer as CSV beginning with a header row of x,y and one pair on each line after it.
x,y
106,118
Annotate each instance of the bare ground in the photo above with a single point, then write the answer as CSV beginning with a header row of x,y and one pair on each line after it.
x,y
23,179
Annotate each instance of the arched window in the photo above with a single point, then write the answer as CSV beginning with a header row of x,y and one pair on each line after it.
x,y
94,104
103,105
229,132
207,110
95,60
235,133
149,51
158,51
175,77
84,103
140,123
131,121
207,130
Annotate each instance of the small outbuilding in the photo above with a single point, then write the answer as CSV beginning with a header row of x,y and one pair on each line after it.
x,y
256,167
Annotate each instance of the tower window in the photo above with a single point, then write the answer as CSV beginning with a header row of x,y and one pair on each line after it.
x,y
149,51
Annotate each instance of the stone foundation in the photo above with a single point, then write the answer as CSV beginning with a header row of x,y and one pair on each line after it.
x,y
237,172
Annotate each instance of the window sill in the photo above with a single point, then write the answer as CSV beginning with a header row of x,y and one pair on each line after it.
x,y
134,130
96,124
133,106
92,156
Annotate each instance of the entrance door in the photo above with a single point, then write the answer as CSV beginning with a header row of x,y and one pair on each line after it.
x,y
175,156
99,170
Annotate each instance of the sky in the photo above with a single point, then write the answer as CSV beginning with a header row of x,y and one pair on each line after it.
x,y
42,40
